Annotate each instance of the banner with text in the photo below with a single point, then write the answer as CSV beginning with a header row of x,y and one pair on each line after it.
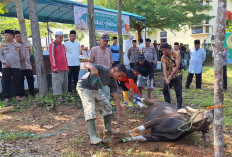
x,y
104,21
228,44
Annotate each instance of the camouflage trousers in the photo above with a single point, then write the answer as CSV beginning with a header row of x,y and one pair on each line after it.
x,y
92,101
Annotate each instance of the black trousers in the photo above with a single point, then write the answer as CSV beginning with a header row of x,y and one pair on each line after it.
x,y
132,65
198,80
122,84
73,77
9,76
115,63
177,83
225,77
30,81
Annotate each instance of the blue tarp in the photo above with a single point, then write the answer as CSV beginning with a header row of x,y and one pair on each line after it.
x,y
61,11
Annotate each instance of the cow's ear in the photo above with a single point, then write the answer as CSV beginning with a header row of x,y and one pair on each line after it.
x,y
182,110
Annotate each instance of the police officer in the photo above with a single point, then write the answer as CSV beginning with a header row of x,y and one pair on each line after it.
x,y
133,53
149,52
25,64
10,52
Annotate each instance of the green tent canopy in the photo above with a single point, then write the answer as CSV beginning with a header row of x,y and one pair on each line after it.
x,y
61,11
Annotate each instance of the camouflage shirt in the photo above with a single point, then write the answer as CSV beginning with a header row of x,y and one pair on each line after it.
x,y
170,64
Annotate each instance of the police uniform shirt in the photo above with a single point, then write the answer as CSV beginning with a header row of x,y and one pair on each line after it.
x,y
10,53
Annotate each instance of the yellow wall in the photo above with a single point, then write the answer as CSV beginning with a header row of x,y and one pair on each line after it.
x,y
229,5
186,37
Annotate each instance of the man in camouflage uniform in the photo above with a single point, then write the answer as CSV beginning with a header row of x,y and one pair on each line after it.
x,y
10,53
90,90
133,53
172,74
25,64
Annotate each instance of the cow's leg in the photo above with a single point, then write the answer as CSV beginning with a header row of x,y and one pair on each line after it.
x,y
207,137
147,125
143,138
150,102
205,133
150,138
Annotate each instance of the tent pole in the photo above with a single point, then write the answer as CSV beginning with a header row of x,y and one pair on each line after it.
x,y
145,29
48,34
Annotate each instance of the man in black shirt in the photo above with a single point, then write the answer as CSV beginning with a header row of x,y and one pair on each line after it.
x,y
182,50
146,75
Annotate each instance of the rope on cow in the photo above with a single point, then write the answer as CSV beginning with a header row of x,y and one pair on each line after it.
x,y
190,121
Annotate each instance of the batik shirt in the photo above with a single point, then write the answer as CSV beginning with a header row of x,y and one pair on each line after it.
x,y
170,64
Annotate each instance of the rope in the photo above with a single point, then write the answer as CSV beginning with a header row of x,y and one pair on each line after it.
x,y
102,86
104,91
131,107
63,129
209,108
190,121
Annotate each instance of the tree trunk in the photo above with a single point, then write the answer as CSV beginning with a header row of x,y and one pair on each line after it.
x,y
23,29
38,52
218,79
120,31
139,33
92,36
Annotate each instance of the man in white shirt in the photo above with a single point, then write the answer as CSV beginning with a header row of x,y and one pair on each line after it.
x,y
72,48
141,45
197,57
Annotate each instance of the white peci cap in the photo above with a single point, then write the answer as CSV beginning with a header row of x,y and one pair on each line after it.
x,y
59,33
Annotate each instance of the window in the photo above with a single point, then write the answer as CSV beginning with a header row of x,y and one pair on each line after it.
x,y
163,37
207,22
197,30
207,29
163,34
65,35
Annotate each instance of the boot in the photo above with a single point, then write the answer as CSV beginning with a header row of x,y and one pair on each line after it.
x,y
92,132
107,123
125,96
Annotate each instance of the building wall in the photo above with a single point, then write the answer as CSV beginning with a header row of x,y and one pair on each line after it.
x,y
186,37
229,5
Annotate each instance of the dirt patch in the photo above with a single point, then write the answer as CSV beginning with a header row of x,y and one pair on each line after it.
x,y
76,142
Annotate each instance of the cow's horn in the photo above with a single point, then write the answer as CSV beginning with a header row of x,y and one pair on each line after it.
x,y
182,111
191,109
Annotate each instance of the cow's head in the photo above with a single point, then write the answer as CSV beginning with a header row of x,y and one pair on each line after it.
x,y
202,119
202,115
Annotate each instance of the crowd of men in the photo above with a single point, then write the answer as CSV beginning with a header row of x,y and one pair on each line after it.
x,y
15,58
105,72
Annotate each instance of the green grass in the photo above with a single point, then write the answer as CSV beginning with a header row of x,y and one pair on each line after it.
x,y
205,97
49,102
